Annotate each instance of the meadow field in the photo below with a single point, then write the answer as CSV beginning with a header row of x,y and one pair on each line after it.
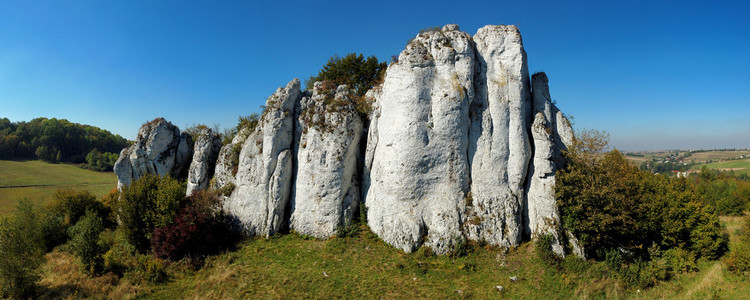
x,y
363,266
37,181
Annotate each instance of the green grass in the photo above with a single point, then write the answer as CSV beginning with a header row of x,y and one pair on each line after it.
x,y
293,266
738,166
38,180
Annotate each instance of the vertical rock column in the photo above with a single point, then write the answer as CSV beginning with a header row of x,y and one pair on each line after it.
x,y
418,176
206,151
264,174
543,216
326,188
499,148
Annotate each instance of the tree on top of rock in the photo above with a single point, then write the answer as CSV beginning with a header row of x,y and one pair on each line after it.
x,y
354,70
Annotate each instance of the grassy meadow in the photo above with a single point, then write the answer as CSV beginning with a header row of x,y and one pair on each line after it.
x,y
363,266
738,166
38,180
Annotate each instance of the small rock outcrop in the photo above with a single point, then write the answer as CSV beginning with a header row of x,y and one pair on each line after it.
x,y
264,174
205,153
159,149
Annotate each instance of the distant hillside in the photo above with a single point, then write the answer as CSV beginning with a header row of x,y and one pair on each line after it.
x,y
38,180
59,140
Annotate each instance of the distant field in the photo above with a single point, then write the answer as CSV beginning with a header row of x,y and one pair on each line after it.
x,y
738,166
38,180
701,157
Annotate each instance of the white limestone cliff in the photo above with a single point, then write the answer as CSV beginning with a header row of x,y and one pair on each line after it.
x,y
326,188
264,173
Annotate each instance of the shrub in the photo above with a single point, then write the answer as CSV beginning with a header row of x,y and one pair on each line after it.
x,y
149,202
738,261
22,247
149,269
610,204
71,205
85,242
121,255
199,228
543,250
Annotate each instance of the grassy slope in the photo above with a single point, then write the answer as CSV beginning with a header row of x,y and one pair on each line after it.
x,y
38,180
291,266
712,281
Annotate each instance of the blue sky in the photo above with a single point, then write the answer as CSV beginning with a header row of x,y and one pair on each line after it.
x,y
654,74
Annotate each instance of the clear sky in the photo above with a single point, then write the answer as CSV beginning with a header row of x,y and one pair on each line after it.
x,y
654,74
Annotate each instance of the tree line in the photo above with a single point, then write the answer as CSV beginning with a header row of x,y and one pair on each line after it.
x,y
59,140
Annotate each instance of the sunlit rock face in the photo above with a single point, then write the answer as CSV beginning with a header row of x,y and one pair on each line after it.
x,y
158,149
326,190
264,173
459,144
449,150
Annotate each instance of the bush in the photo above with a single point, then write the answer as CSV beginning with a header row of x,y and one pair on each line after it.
x,y
543,250
149,202
71,205
738,261
200,228
22,247
149,269
121,255
85,242
610,204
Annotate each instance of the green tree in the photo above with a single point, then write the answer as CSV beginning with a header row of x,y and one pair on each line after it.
x,y
356,71
85,241
611,205
149,202
22,247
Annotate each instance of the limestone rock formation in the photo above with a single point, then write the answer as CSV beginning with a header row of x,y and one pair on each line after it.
x,y
159,149
499,150
461,144
449,152
228,161
551,134
326,189
419,172
264,173
206,151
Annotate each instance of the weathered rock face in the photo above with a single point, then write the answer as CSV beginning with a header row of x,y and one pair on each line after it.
x,y
264,174
419,172
159,149
326,189
460,145
449,148
228,161
549,131
206,151
499,150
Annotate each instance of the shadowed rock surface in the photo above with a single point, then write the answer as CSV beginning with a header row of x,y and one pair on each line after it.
x,y
206,151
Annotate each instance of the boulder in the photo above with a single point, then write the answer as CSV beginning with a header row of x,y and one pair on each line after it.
x,y
159,149
206,152
264,173
326,189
